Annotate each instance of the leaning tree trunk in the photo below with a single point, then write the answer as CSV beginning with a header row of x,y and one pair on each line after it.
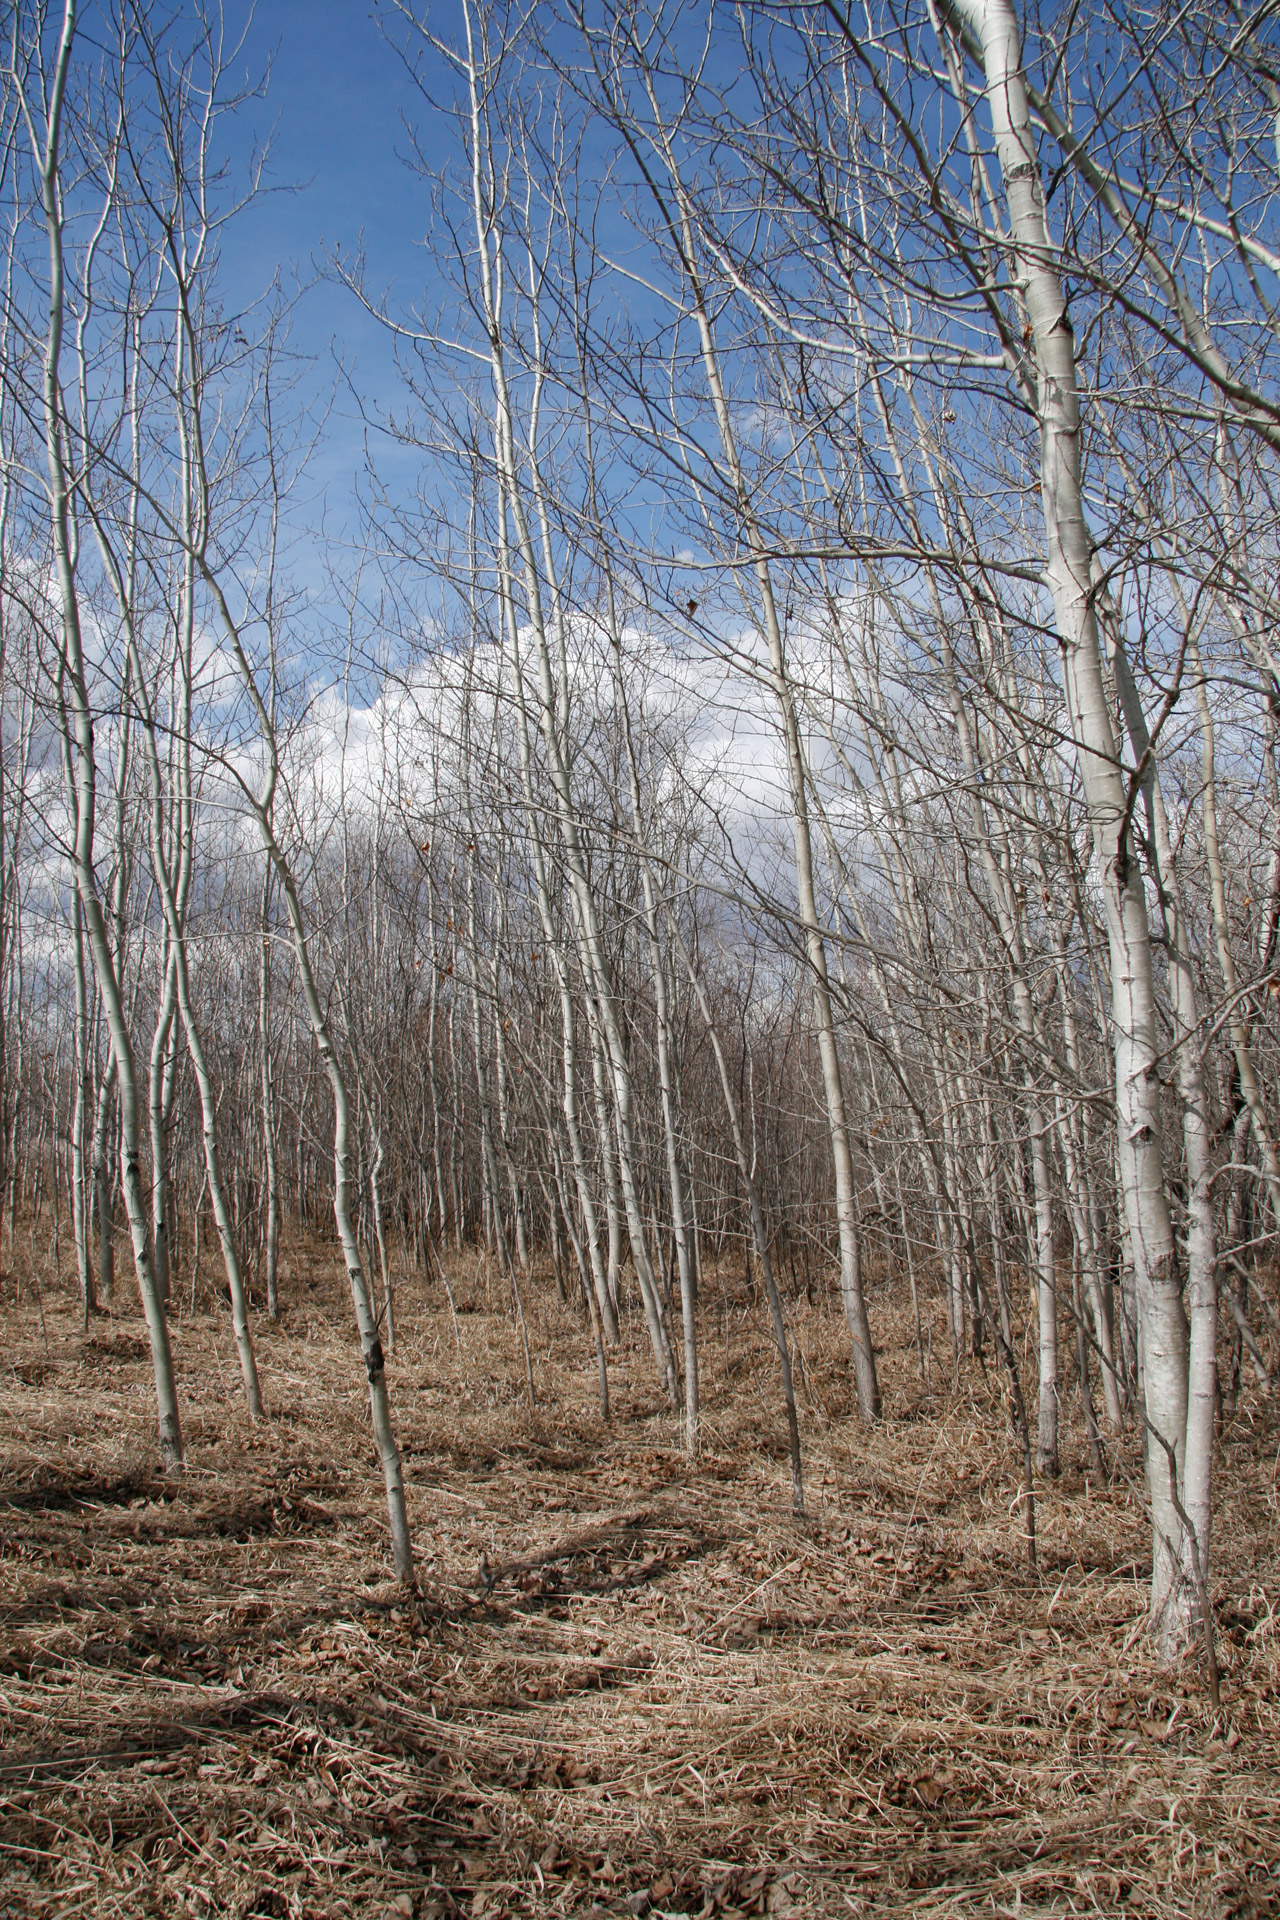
x,y
1069,558
76,717
366,1320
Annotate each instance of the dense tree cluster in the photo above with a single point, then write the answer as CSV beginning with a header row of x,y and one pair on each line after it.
x,y
796,782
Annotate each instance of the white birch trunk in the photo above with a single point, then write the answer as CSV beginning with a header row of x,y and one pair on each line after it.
x,y
79,755
1069,557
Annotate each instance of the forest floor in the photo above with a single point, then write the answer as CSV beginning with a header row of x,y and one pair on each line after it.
x,y
627,1686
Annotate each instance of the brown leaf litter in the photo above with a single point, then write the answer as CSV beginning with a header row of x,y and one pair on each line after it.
x,y
627,1686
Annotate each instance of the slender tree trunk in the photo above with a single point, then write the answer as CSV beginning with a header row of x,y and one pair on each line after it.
x,y
271,1244
851,1290
758,1230
79,1167
159,1078
366,1323
1069,556
380,1239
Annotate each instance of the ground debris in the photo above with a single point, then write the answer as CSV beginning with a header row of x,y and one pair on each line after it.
x,y
627,1685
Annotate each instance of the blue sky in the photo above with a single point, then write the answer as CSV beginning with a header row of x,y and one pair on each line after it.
x,y
335,108
333,111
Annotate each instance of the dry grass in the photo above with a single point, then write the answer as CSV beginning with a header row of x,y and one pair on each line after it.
x,y
627,1682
